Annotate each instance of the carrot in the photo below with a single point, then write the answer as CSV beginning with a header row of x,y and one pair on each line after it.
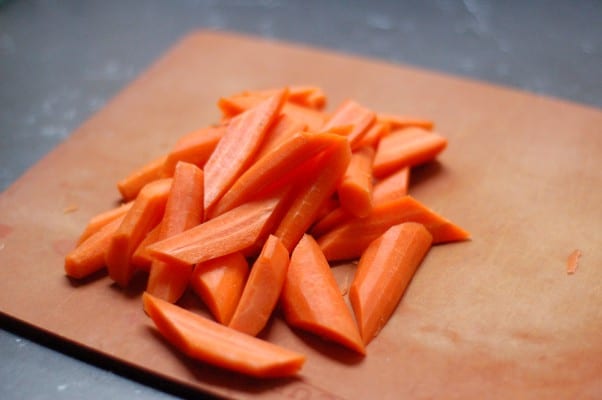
x,y
313,119
378,130
355,190
283,128
236,230
184,210
219,283
89,256
393,187
334,218
311,299
100,220
263,288
135,181
141,258
218,345
146,212
194,147
401,121
383,273
349,240
237,147
352,113
231,106
573,262
307,96
407,147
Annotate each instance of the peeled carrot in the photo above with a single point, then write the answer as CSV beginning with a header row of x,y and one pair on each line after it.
x,y
194,147
311,299
393,187
135,181
313,119
237,147
352,113
215,344
307,96
141,258
146,212
349,240
334,218
219,283
100,220
403,121
371,138
263,288
283,128
406,148
355,189
184,210
383,273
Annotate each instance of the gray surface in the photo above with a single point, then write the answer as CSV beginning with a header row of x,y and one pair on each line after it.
x,y
62,60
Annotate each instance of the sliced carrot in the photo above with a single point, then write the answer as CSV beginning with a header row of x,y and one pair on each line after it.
x,y
263,288
334,218
135,181
313,119
215,344
231,106
307,96
311,299
141,258
194,147
184,210
403,121
146,212
352,113
573,262
406,148
236,230
371,138
89,256
349,240
355,189
237,147
383,273
100,220
219,283
283,128
393,187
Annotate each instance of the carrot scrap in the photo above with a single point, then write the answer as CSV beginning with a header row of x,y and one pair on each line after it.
x,y
135,181
355,189
573,262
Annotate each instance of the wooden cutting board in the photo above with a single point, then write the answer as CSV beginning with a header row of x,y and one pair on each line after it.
x,y
495,317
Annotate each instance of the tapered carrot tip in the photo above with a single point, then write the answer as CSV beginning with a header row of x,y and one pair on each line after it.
x,y
384,271
218,345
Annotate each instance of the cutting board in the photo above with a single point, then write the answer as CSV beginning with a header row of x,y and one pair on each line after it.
x,y
497,316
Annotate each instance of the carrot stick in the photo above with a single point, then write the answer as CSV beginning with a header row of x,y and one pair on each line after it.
x,y
262,289
402,121
349,240
334,218
231,106
407,147
383,273
219,283
89,256
184,210
352,113
374,134
237,147
307,96
194,147
393,187
100,220
313,119
355,190
311,299
141,258
236,230
283,128
146,212
215,344
131,184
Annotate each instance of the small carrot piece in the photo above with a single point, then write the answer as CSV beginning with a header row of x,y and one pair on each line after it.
x,y
100,220
401,121
349,240
377,131
311,299
146,212
263,288
393,187
406,148
184,210
141,258
355,189
313,119
89,256
283,128
215,344
352,113
307,96
195,148
238,146
334,218
219,283
135,181
383,273
573,262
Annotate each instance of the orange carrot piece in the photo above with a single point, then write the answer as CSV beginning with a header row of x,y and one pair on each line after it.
x,y
573,262
238,146
231,106
131,184
311,299
141,258
307,96
313,192
352,113
355,189
100,220
89,256
263,288
283,128
195,148
219,283
236,230
383,273
349,240
184,210
313,119
146,212
334,218
407,147
215,344
402,121
393,187
378,130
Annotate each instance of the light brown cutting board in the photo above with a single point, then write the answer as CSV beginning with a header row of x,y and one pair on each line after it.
x,y
495,317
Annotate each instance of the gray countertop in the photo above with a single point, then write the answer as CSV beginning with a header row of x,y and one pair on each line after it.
x,y
60,61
